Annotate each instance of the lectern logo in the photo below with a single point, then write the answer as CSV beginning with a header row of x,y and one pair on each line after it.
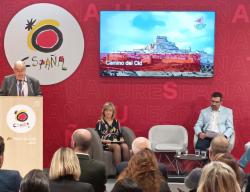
x,y
21,118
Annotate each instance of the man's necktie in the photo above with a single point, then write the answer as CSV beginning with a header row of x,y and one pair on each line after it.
x,y
20,88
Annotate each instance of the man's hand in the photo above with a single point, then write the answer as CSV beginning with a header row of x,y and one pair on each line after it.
x,y
202,135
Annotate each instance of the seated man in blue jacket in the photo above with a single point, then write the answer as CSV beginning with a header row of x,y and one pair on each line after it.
x,y
9,179
213,120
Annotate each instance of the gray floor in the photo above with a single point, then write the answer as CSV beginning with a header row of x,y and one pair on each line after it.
x,y
173,186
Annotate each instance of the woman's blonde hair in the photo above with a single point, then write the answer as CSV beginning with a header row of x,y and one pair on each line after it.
x,y
143,169
218,177
106,106
64,163
229,160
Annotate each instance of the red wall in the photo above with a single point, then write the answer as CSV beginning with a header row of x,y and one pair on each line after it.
x,y
144,102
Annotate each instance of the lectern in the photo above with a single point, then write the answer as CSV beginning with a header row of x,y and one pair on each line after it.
x,y
21,126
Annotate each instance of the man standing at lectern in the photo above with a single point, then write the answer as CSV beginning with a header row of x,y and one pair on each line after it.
x,y
20,84
214,120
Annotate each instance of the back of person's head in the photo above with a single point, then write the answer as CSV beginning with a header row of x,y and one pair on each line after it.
x,y
219,144
35,181
143,169
126,185
139,144
81,140
2,147
64,163
143,161
218,177
229,160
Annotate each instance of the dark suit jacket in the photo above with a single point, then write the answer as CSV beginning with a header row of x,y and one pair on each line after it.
x,y
9,86
69,185
9,180
93,172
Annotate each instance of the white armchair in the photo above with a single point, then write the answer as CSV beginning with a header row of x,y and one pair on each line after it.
x,y
168,138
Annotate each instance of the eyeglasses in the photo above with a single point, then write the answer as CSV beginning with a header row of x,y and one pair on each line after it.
x,y
212,101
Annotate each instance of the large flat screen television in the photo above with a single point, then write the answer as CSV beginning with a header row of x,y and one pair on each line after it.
x,y
157,43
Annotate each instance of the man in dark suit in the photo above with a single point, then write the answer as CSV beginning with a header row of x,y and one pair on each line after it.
x,y
92,171
9,179
139,144
20,84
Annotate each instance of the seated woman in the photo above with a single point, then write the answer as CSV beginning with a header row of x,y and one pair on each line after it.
x,y
65,171
143,170
218,177
109,131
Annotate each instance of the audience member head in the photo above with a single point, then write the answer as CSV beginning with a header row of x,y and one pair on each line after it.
x,y
81,140
35,181
216,100
219,144
139,144
19,70
229,160
218,177
108,111
64,163
143,169
126,185
2,146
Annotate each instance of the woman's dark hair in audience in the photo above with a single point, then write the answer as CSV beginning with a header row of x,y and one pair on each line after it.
x,y
35,181
229,160
143,169
126,185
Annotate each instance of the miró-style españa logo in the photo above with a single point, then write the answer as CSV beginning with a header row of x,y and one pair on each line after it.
x,y
48,39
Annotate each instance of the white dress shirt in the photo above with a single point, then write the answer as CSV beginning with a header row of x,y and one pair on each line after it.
x,y
213,124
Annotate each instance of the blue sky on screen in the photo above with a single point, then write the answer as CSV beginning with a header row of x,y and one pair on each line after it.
x,y
129,30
